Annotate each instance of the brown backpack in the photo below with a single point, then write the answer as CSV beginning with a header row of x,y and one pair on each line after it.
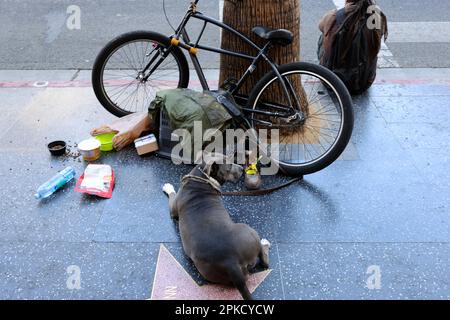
x,y
353,57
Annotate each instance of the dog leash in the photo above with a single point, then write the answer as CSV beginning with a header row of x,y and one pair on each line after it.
x,y
261,192
252,193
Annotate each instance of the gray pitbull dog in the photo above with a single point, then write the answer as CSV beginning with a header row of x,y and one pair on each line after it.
x,y
222,251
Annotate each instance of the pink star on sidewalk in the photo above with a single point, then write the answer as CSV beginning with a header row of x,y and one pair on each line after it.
x,y
172,282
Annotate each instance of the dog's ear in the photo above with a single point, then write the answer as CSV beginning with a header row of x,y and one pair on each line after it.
x,y
207,164
207,168
211,169
214,172
210,159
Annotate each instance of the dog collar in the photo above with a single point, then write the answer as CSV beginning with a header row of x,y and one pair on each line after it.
x,y
211,181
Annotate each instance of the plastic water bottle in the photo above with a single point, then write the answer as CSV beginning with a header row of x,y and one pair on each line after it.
x,y
59,180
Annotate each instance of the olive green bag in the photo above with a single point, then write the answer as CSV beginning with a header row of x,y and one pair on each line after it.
x,y
184,107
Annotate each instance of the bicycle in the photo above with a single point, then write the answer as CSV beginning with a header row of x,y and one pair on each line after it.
x,y
133,67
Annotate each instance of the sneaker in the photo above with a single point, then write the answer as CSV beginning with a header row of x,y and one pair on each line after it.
x,y
253,179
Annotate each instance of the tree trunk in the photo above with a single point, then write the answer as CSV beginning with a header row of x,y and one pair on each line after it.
x,y
244,15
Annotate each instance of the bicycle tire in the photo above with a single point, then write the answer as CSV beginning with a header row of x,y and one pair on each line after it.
x,y
120,41
347,111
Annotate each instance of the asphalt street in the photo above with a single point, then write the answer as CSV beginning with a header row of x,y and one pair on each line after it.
x,y
34,33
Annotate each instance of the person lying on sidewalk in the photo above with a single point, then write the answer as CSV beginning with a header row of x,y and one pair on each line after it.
x,y
183,107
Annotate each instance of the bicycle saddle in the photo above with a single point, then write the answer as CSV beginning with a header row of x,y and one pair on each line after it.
x,y
282,37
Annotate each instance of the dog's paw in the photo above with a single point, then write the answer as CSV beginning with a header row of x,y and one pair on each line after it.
x,y
168,189
265,243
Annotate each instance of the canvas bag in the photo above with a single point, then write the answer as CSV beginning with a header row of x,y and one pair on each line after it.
x,y
184,107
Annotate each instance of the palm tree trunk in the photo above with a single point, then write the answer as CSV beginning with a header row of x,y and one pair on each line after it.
x,y
243,15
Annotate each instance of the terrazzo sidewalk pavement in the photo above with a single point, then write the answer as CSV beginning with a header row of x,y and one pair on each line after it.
x,y
374,225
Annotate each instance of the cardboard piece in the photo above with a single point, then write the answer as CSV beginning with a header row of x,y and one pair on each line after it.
x,y
146,144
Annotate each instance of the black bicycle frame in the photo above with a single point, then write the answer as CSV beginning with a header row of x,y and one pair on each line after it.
x,y
181,33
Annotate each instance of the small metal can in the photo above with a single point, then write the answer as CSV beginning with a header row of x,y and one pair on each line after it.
x,y
90,149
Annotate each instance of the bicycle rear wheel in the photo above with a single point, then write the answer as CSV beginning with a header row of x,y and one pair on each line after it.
x,y
119,79
304,147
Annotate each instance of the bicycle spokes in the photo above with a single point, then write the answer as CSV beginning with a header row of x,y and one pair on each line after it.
x,y
302,140
136,71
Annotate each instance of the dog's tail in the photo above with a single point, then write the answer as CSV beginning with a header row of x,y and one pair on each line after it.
x,y
238,278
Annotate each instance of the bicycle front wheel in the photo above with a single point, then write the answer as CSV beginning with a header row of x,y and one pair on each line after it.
x,y
307,145
132,68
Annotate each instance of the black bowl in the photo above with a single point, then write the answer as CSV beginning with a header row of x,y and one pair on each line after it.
x,y
57,148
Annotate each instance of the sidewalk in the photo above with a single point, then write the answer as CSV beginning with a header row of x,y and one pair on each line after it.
x,y
383,205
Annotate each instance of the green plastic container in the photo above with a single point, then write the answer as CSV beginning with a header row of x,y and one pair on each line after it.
x,y
106,141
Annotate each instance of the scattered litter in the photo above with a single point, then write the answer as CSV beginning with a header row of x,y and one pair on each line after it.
x,y
98,180
59,180
146,144
71,154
